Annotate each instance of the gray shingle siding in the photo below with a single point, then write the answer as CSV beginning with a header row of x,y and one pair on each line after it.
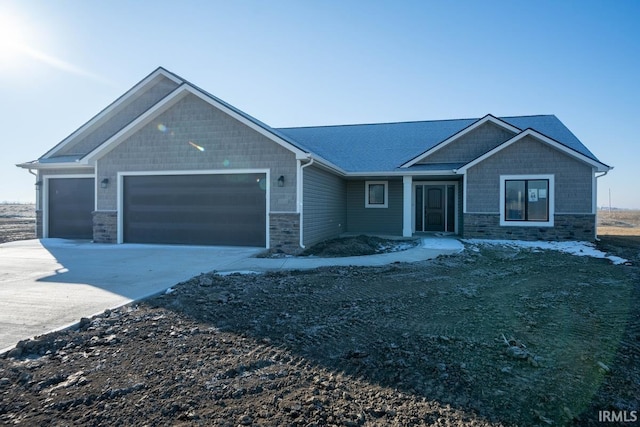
x,y
228,145
573,179
374,220
124,115
324,205
470,146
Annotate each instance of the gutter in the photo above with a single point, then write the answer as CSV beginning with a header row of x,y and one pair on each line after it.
x,y
300,199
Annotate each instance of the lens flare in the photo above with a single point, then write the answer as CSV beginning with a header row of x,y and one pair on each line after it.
x,y
162,128
226,163
196,146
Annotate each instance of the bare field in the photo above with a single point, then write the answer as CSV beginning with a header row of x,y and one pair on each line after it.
x,y
619,223
17,222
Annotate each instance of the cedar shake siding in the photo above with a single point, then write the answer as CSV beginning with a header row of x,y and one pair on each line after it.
x,y
470,146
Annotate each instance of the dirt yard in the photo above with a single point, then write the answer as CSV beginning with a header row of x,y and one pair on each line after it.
x,y
493,336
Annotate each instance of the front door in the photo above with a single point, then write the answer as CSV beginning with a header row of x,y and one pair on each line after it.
x,y
435,207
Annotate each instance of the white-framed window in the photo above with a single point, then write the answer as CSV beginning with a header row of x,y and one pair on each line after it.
x,y
527,200
376,194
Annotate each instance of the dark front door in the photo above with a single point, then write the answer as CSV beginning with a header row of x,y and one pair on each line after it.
x,y
71,201
435,207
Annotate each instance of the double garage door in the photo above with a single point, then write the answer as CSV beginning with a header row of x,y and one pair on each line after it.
x,y
224,209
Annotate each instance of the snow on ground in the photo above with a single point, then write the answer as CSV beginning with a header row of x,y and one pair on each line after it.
x,y
446,243
571,247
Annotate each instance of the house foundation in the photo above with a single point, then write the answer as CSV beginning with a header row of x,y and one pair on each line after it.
x,y
566,227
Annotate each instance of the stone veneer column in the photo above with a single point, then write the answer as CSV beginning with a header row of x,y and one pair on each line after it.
x,y
284,232
105,226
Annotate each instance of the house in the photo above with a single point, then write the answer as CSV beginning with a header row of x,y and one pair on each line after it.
x,y
168,162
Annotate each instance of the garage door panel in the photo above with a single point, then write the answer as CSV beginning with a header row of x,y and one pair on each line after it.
x,y
195,209
70,207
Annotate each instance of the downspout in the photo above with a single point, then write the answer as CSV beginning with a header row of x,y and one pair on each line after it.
x,y
37,188
595,231
300,200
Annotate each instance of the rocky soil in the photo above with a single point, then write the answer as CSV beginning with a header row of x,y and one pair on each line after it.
x,y
493,336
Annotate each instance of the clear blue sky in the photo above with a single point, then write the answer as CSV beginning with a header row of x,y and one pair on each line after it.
x,y
297,63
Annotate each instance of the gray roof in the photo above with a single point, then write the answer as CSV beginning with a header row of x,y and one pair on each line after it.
x,y
385,146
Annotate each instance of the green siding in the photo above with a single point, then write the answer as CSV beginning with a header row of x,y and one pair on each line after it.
x,y
374,220
324,205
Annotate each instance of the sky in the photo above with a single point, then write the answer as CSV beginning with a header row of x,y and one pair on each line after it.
x,y
307,62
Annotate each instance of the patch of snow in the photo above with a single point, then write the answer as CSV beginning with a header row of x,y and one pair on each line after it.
x,y
169,291
572,247
442,243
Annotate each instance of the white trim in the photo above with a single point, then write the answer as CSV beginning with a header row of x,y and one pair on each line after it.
x,y
300,197
600,167
131,93
594,195
456,204
386,195
167,102
45,197
120,194
486,119
464,193
407,206
550,198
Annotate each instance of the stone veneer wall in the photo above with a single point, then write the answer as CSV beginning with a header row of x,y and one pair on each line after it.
x,y
284,232
39,224
105,226
566,227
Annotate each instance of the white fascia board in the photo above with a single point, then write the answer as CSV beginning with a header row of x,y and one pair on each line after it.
x,y
600,167
45,166
131,93
470,128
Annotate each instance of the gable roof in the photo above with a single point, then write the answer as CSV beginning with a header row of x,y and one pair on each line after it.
x,y
387,147
392,148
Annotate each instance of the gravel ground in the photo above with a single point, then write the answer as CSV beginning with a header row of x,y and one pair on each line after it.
x,y
494,336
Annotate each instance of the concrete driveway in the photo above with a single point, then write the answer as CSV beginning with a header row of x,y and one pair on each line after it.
x,y
51,283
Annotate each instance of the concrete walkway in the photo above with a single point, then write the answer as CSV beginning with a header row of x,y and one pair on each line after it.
x,y
50,284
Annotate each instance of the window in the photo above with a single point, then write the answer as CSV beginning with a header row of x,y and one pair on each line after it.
x,y
527,200
376,194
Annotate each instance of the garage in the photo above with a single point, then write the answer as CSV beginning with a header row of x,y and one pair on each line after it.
x,y
70,206
198,209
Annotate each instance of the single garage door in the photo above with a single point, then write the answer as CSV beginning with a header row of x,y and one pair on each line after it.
x,y
227,209
71,201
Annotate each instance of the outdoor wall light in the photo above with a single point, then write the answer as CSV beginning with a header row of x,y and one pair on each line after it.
x,y
281,181
39,184
104,183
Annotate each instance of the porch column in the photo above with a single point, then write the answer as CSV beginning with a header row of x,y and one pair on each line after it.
x,y
407,229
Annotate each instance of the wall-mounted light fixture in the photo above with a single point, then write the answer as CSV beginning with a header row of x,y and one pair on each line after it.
x,y
39,184
281,181
104,183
